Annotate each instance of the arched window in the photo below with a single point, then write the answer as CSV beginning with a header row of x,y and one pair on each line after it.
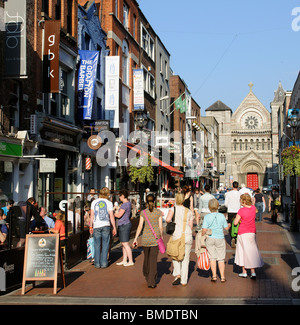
x,y
223,157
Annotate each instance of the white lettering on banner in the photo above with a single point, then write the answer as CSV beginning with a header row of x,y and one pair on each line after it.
x,y
12,27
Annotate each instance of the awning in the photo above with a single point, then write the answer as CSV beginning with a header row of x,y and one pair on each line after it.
x,y
172,170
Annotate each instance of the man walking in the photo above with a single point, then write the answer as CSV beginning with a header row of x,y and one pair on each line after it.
x,y
232,202
203,207
101,218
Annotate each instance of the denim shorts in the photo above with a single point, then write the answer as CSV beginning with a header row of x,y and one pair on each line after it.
x,y
124,232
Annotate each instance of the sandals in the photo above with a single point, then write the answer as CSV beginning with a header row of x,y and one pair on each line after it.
x,y
214,279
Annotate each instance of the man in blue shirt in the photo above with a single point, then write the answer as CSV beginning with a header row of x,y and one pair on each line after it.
x,y
47,221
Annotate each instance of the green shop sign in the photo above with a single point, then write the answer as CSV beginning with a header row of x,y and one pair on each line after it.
x,y
10,149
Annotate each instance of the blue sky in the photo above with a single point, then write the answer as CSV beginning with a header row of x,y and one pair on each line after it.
x,y
218,47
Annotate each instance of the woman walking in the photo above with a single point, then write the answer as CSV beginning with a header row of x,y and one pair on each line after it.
x,y
259,202
247,254
125,226
181,268
215,243
149,242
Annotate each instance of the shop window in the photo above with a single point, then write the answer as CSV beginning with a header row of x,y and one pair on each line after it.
x,y
6,181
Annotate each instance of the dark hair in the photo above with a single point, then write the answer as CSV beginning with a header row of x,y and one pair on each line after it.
x,y
185,189
150,200
207,188
124,193
1,212
235,184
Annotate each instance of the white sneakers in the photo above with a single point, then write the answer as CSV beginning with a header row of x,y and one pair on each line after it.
x,y
244,275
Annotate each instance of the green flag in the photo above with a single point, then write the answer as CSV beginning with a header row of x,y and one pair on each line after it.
x,y
178,103
183,106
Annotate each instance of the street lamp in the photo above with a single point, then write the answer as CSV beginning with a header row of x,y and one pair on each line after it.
x,y
141,120
294,122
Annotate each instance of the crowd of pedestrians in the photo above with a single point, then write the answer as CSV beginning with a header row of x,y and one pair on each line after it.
x,y
193,211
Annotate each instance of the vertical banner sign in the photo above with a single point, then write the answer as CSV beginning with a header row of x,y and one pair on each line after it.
x,y
51,76
112,87
138,89
15,39
86,82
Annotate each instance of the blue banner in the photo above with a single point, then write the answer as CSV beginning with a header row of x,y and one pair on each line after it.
x,y
86,81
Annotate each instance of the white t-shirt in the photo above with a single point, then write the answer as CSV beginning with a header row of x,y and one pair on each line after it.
x,y
232,201
101,208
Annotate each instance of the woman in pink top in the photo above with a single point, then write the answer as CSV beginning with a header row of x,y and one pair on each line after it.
x,y
247,254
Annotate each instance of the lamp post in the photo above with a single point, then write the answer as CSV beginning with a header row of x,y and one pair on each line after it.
x,y
294,122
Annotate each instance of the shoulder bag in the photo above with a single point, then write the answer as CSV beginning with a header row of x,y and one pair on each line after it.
x,y
176,248
171,225
160,242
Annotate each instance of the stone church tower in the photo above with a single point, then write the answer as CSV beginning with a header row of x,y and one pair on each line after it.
x,y
245,142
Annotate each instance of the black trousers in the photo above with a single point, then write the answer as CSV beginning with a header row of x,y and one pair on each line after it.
x,y
150,264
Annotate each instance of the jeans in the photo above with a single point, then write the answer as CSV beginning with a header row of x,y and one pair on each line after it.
x,y
101,243
259,206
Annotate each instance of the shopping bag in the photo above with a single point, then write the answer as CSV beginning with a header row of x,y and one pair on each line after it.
x,y
203,261
234,230
90,248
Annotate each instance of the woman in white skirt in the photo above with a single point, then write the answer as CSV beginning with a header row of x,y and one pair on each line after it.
x,y
247,254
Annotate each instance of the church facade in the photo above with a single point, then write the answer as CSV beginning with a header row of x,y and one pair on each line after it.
x,y
248,141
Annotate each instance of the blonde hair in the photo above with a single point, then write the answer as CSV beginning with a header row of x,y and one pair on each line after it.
x,y
213,205
246,199
104,193
179,199
60,215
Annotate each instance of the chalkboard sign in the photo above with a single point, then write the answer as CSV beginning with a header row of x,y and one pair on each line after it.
x,y
42,259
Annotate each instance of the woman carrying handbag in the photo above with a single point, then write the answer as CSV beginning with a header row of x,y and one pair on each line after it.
x,y
180,268
150,216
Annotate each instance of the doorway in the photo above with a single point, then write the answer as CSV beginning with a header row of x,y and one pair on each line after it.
x,y
252,180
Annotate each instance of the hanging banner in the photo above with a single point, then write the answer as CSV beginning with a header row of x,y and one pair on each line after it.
x,y
51,76
15,39
86,82
138,89
112,90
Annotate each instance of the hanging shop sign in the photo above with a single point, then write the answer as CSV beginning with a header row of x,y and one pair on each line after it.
x,y
86,82
15,39
112,89
51,76
138,90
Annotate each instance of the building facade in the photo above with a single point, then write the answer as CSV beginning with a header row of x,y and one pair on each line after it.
x,y
246,138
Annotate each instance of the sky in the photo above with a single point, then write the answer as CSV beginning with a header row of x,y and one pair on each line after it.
x,y
218,47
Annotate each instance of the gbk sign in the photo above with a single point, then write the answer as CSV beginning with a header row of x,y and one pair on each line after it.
x,y
51,75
